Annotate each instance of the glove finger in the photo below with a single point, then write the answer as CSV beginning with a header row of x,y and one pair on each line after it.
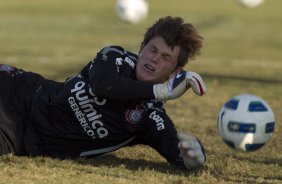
x,y
196,155
201,158
197,83
198,86
186,137
185,145
191,153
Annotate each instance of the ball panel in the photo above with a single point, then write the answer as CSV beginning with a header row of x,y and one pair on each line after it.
x,y
241,127
257,106
232,104
253,147
229,143
269,127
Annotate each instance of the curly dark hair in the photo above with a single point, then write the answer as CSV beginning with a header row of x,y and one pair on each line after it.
x,y
176,33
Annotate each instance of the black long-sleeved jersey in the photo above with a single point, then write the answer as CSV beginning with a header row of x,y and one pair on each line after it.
x,y
101,109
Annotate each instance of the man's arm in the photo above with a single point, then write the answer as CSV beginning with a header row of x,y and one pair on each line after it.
x,y
159,132
106,82
112,75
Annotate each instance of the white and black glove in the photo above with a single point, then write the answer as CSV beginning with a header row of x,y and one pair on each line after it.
x,y
191,150
178,85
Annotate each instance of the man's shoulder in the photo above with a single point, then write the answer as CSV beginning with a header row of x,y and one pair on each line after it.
x,y
118,51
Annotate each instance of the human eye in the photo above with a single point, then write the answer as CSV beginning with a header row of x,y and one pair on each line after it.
x,y
153,49
166,58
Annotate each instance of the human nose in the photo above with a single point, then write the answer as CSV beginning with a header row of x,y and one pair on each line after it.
x,y
155,58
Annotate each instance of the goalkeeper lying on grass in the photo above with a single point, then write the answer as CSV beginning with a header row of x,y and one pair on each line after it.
x,y
114,101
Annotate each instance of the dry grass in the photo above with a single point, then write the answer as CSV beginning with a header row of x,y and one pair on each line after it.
x,y
241,55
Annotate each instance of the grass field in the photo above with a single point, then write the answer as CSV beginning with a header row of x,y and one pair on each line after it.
x,y
241,54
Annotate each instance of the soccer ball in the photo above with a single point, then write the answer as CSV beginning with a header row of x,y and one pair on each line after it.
x,y
246,122
251,3
132,11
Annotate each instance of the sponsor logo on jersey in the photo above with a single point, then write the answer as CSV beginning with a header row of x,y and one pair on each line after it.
x,y
158,120
127,60
82,105
155,105
118,63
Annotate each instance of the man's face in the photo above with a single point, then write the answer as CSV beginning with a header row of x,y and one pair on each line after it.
x,y
157,61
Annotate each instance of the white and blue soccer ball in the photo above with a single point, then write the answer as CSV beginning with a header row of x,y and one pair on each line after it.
x,y
246,122
250,3
132,11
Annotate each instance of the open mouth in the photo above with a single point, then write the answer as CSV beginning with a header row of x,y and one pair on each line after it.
x,y
149,67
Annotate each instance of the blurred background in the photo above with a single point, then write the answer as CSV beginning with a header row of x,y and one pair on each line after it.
x,y
67,33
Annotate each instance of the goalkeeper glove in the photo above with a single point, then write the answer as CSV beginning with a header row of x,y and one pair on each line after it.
x,y
178,85
191,150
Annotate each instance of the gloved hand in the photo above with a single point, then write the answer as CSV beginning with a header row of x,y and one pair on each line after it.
x,y
178,85
192,151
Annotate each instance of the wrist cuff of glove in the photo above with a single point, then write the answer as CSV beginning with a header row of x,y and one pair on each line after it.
x,y
160,92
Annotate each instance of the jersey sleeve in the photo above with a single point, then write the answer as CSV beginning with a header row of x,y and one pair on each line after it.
x,y
159,133
112,76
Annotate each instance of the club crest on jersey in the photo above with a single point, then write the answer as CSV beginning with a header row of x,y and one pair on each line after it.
x,y
133,116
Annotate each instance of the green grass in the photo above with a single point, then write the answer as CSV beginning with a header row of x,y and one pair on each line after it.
x,y
241,54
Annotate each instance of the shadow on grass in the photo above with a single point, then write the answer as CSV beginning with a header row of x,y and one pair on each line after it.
x,y
221,168
110,160
248,158
266,161
250,178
